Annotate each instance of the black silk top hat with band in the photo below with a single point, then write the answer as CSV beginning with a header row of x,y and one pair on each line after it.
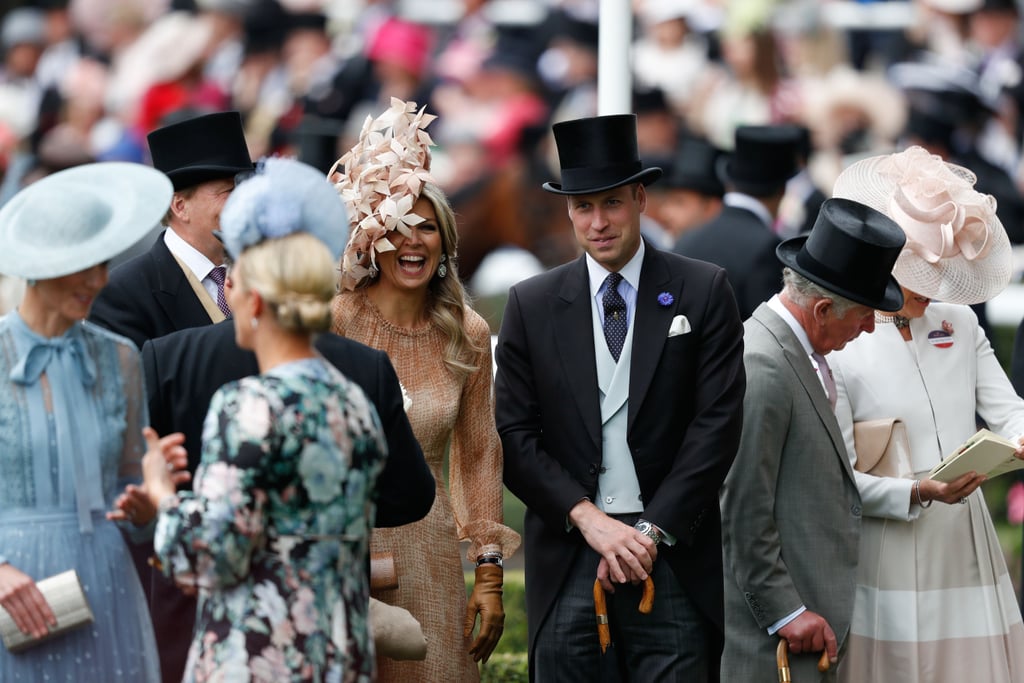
x,y
851,252
694,168
200,149
765,157
598,154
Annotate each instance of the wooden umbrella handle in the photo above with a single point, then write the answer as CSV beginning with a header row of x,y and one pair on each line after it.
x,y
604,634
647,599
782,661
601,611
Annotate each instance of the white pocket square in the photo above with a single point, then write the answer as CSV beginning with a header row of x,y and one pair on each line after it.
x,y
680,325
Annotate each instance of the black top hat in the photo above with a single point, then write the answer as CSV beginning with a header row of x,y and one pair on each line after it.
x,y
200,149
580,31
694,167
929,128
999,6
598,154
851,252
764,159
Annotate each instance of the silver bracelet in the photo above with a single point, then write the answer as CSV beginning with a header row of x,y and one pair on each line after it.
x,y
490,557
917,494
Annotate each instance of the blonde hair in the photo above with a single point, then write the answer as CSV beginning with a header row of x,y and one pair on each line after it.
x,y
448,297
296,276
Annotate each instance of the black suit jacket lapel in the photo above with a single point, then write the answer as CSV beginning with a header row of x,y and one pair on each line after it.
x,y
573,326
173,293
650,329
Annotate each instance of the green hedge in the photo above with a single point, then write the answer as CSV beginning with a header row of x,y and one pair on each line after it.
x,y
505,668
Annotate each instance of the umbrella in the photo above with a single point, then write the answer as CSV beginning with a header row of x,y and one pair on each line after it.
x,y
601,609
782,660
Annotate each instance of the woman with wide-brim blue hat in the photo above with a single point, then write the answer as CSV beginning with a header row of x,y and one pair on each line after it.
x,y
72,407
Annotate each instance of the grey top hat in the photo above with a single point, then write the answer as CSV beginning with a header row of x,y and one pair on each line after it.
x,y
851,252
598,154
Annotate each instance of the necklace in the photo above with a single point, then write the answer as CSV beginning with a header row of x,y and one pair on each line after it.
x,y
899,321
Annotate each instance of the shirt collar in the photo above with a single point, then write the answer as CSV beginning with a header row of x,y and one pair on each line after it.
x,y
751,204
189,255
629,272
775,303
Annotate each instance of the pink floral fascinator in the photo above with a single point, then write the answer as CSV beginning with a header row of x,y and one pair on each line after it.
x,y
957,250
379,180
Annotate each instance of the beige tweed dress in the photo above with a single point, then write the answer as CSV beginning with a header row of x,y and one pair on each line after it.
x,y
445,408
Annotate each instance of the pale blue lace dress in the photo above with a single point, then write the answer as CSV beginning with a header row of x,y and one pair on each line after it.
x,y
276,531
71,412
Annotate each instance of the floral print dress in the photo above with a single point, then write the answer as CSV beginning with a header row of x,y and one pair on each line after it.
x,y
275,534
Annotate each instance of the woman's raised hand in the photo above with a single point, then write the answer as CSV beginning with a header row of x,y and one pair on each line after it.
x,y
165,464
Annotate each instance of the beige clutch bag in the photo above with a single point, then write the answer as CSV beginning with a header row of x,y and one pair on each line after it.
x,y
67,600
882,448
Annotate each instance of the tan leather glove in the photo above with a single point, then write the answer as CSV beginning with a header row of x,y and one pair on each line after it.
x,y
485,600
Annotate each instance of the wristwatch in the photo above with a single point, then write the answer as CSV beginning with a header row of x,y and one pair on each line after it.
x,y
648,530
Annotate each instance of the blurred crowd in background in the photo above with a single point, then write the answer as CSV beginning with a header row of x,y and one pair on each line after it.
x,y
86,80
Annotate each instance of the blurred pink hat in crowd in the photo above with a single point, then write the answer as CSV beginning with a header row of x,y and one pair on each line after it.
x,y
402,43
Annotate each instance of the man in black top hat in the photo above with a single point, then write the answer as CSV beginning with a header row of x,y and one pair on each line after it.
x,y
741,238
790,506
693,191
618,398
179,282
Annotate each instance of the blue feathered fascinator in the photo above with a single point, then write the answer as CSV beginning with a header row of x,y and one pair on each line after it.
x,y
282,197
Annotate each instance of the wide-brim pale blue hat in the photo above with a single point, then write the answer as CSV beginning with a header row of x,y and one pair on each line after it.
x,y
80,217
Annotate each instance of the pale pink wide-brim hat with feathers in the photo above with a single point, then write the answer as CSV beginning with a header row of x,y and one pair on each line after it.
x,y
957,250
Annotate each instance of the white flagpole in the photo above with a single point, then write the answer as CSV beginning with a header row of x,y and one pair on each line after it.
x,y
614,75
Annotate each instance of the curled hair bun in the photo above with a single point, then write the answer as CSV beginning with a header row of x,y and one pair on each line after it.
x,y
308,312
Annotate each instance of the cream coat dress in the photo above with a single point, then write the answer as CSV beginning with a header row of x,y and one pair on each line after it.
x,y
934,601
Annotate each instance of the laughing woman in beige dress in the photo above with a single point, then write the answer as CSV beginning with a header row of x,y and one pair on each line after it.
x,y
401,294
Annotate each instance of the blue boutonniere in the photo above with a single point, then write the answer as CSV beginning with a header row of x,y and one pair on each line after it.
x,y
665,299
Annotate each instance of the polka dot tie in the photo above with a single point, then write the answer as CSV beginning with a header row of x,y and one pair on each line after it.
x,y
217,275
614,315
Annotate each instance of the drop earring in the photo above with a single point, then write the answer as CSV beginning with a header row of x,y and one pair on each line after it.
x,y
254,323
442,269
